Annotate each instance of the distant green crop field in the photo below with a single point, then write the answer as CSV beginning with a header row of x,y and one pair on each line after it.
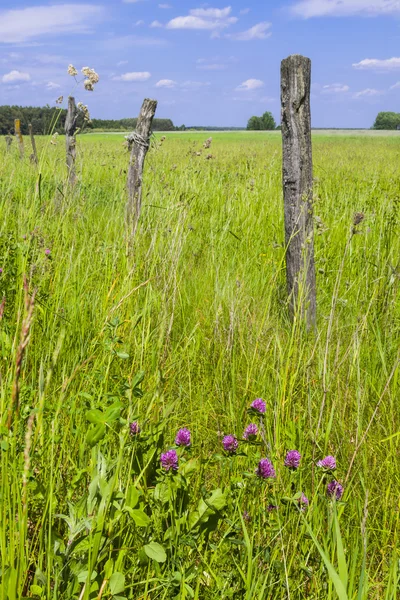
x,y
185,328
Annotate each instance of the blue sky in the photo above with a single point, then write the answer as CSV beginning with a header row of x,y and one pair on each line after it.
x,y
207,64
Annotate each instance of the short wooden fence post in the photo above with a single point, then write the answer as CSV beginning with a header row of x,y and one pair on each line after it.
x,y
17,127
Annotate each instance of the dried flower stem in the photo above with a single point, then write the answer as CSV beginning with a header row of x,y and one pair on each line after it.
x,y
24,341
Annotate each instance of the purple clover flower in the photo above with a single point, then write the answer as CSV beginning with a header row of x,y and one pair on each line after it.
x,y
230,444
292,459
334,490
259,405
303,502
328,463
183,438
1,270
250,432
169,460
271,507
246,516
265,470
134,428
47,252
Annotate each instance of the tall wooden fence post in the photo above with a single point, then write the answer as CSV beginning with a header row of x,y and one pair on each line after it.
x,y
297,174
139,142
18,134
34,155
70,140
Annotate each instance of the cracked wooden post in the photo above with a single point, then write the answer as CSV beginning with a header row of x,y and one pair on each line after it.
x,y
139,142
297,174
34,155
70,139
18,134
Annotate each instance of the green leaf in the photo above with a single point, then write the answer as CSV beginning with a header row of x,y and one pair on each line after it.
x,y
95,434
156,552
95,416
140,517
36,590
117,583
132,496
122,355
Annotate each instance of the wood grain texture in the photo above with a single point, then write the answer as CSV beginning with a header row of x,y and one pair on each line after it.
x,y
297,175
70,139
139,143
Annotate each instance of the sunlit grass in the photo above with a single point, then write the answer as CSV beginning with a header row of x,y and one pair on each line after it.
x,y
186,330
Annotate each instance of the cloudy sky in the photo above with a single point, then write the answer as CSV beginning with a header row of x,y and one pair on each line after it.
x,y
207,64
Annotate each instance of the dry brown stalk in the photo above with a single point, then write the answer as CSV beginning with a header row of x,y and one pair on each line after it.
x,y
24,341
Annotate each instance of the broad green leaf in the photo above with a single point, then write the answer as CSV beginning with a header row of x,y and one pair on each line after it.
x,y
156,552
95,434
95,416
122,355
36,590
117,583
132,496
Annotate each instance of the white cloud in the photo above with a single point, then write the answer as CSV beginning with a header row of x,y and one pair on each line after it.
x,y
376,64
166,83
15,77
250,85
345,8
335,88
210,19
53,86
396,86
258,32
24,24
368,93
156,24
136,76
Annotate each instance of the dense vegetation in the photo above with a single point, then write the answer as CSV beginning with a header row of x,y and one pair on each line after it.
x,y
51,119
387,120
264,123
108,349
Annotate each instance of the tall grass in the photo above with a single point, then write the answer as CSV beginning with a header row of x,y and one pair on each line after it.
x,y
186,330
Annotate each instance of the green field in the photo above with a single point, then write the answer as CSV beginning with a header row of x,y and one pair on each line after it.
x,y
185,329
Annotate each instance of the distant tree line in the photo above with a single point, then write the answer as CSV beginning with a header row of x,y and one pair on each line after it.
x,y
49,119
387,120
264,123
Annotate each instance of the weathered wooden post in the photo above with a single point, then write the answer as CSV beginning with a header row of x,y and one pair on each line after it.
x,y
297,176
70,139
139,142
18,134
34,155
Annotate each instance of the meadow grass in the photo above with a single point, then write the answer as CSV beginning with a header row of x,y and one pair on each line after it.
x,y
185,329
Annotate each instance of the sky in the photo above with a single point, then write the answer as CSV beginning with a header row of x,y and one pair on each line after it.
x,y
206,64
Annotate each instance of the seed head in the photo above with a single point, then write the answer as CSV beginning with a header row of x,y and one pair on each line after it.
x,y
88,85
72,71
